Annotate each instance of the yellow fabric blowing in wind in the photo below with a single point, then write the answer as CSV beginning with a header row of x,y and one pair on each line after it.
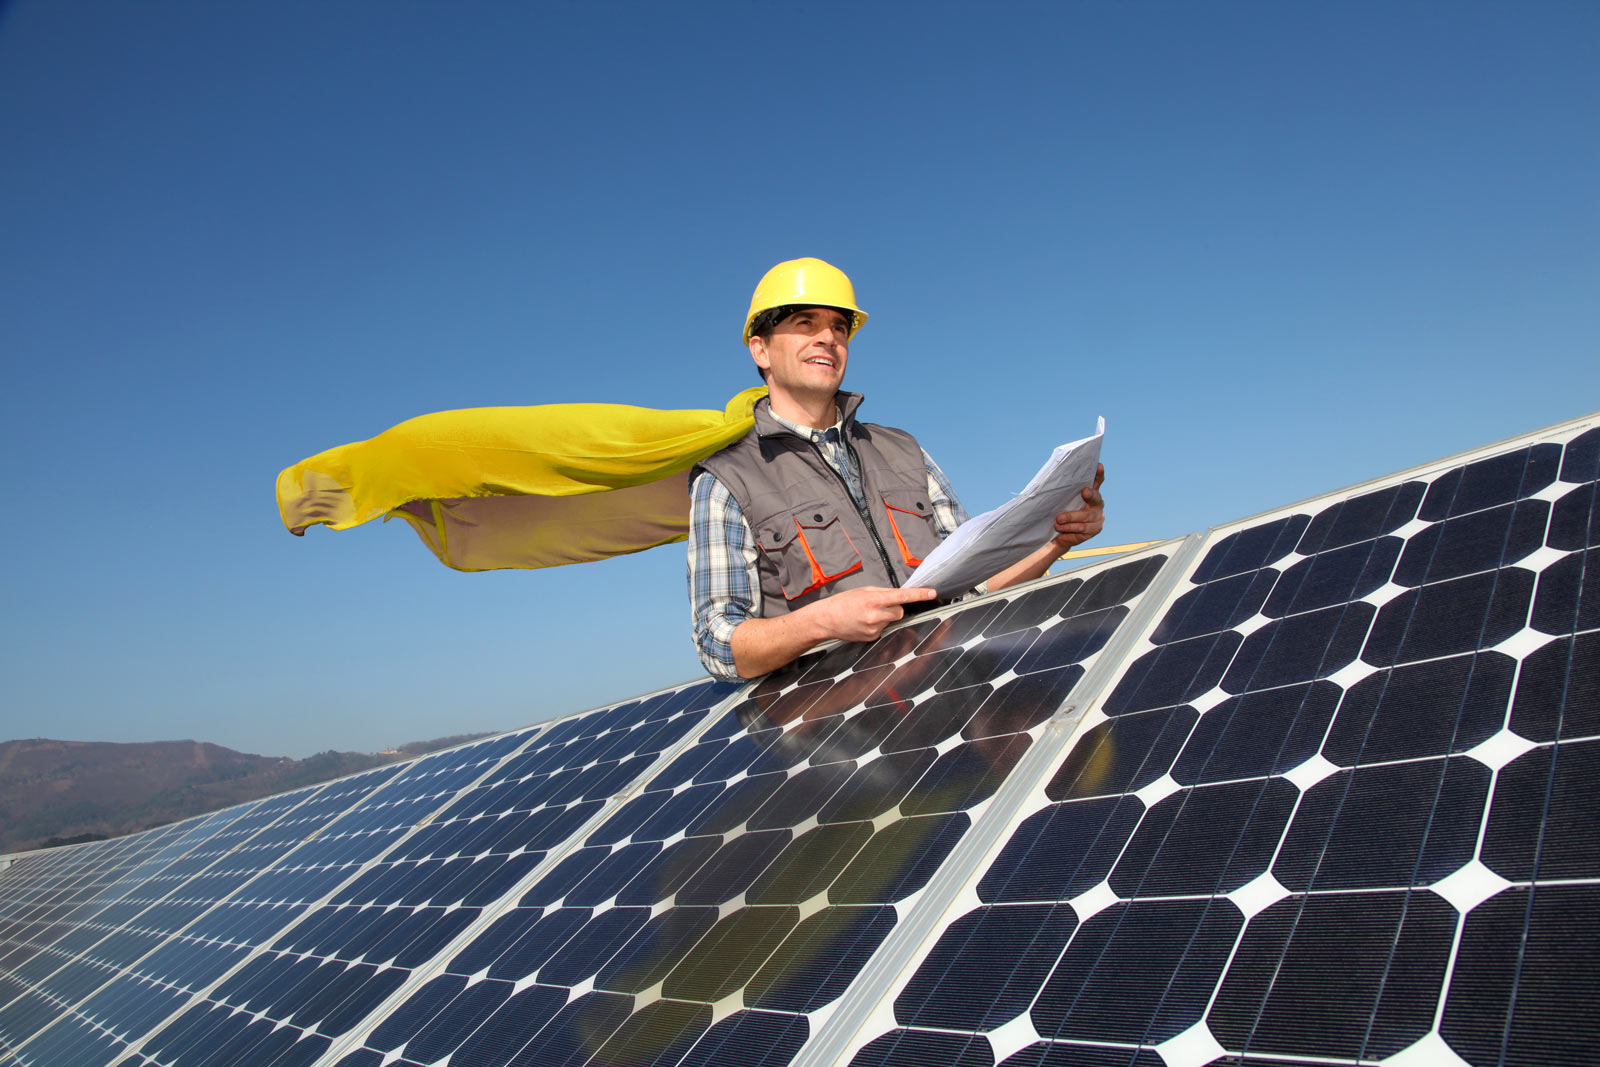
x,y
527,487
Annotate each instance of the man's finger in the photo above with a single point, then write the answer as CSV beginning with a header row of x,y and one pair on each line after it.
x,y
910,594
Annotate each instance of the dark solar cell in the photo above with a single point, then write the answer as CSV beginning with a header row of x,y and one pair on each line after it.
x,y
1541,820
730,953
729,872
1173,674
1141,971
1575,521
1260,733
819,958
1558,691
634,815
826,665
1333,577
987,660
447,1030
676,815
1019,704
1032,608
955,630
1477,542
913,677
1520,989
646,959
861,734
924,1048
1114,586
1569,595
1299,648
511,1026
750,1039
817,740
606,880
1042,1054
1580,461
592,947
489,946
658,1033
809,864
1461,615
666,874
801,796
1421,709
1210,839
577,1030
1215,606
873,788
986,967
1362,518
894,646
899,859
1342,975
1122,755
1496,480
737,803
965,775
540,939
1061,851
1251,548
935,718
1071,641
1395,824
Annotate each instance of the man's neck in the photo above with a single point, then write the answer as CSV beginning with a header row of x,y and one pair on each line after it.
x,y
819,412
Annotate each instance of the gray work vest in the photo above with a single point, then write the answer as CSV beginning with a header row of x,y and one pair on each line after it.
x,y
814,541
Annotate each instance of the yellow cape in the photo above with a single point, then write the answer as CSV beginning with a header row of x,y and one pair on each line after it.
x,y
488,488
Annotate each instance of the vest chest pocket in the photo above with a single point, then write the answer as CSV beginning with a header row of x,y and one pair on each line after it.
x,y
810,549
911,524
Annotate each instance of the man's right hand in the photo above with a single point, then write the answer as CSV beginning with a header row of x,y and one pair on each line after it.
x,y
763,645
862,614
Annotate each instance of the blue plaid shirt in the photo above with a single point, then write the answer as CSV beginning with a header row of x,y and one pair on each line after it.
x,y
724,587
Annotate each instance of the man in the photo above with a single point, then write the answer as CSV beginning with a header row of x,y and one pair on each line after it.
x,y
805,529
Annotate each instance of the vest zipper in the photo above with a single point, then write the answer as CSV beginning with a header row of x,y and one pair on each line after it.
x,y
866,516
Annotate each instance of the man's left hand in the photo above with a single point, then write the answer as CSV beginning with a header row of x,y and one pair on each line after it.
x,y
1075,527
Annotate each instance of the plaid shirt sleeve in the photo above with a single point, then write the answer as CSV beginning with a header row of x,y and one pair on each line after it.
x,y
947,510
724,588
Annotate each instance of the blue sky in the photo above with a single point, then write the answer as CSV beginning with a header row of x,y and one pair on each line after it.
x,y
1282,248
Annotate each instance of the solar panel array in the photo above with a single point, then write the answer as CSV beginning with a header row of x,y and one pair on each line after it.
x,y
1313,788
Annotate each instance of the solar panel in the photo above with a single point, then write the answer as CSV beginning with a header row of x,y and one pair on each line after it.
x,y
1314,787
1336,807
277,941
719,914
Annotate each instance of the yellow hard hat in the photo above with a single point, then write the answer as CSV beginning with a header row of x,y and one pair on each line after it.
x,y
808,283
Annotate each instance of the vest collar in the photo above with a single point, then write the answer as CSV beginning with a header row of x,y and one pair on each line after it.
x,y
768,426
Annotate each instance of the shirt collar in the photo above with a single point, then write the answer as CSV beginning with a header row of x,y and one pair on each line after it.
x,y
768,423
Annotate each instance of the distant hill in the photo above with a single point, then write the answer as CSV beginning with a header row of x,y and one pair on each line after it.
x,y
63,792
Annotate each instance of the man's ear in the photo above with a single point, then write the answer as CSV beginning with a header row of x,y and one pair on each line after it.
x,y
758,352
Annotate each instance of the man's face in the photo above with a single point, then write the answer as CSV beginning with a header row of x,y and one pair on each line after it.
x,y
806,352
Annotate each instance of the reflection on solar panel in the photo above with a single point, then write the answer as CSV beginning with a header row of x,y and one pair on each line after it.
x,y
1316,787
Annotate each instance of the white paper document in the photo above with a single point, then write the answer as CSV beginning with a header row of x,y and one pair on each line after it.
x,y
982,547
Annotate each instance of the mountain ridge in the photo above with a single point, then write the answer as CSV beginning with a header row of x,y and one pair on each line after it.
x,y
56,792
